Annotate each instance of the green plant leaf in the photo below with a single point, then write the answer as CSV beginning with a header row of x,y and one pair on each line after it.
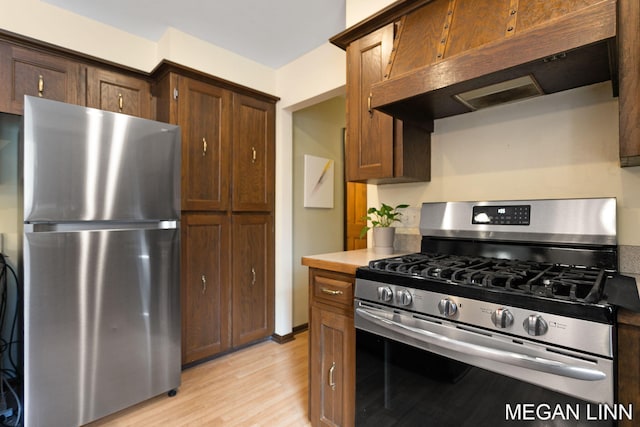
x,y
383,216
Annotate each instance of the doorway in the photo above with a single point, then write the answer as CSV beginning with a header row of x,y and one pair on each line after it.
x,y
318,131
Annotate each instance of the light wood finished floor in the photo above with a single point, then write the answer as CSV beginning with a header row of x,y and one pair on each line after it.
x,y
263,385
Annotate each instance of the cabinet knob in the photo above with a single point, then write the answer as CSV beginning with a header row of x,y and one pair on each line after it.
x,y
253,276
40,85
120,102
204,146
204,284
254,154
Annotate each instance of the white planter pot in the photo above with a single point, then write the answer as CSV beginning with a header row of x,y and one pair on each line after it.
x,y
383,239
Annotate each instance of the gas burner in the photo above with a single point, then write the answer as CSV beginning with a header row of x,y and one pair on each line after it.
x,y
555,281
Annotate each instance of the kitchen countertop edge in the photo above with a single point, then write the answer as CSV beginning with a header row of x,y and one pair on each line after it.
x,y
345,261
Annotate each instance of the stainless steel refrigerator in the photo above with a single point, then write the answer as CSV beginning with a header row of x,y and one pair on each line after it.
x,y
101,256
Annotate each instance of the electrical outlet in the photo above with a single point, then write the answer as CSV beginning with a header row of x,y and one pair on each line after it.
x,y
410,217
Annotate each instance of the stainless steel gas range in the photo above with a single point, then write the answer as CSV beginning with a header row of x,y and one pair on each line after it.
x,y
501,317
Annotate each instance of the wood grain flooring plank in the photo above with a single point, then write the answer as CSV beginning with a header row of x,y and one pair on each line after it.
x,y
263,385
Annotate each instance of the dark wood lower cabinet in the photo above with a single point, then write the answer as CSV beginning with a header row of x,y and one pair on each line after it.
x,y
253,278
228,291
206,288
629,363
331,349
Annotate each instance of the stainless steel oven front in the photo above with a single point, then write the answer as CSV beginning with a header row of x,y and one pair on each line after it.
x,y
418,370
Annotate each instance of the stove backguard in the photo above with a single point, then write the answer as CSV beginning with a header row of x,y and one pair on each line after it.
x,y
573,222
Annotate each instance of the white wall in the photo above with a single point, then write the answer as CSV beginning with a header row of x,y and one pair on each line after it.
x,y
312,78
562,145
317,131
57,26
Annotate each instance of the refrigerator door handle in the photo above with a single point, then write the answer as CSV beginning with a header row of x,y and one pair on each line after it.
x,y
44,227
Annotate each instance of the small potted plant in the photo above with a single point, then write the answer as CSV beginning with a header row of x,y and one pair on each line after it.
x,y
381,220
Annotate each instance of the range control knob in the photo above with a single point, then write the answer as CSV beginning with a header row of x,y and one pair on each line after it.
x,y
447,307
502,318
385,293
403,297
535,325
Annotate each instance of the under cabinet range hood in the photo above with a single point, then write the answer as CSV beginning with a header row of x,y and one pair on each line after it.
x,y
454,56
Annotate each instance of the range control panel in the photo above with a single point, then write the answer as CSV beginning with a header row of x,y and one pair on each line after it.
x,y
502,215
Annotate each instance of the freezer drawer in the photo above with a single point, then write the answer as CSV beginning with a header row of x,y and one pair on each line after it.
x,y
102,322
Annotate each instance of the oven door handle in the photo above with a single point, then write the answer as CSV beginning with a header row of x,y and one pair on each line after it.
x,y
508,357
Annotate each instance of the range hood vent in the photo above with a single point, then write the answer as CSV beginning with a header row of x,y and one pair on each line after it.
x,y
447,55
500,93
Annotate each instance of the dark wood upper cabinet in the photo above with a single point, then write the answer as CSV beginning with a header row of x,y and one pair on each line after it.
x,y
379,149
25,71
120,93
253,154
629,80
204,114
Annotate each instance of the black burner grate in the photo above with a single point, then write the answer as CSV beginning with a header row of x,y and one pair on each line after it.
x,y
564,282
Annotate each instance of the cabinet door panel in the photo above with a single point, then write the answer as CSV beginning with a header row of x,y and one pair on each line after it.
x,y
379,149
253,278
628,367
204,114
205,286
29,72
253,154
369,132
331,368
118,93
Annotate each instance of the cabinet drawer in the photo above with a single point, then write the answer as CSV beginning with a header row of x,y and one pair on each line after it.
x,y
333,288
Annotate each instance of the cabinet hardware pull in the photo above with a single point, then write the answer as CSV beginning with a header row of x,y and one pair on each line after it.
x,y
369,105
120,102
253,276
204,146
331,291
204,284
332,382
40,85
253,154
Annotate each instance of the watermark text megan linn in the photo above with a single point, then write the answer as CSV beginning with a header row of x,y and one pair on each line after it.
x,y
566,412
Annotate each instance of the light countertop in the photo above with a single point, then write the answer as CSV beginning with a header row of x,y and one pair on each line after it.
x,y
345,261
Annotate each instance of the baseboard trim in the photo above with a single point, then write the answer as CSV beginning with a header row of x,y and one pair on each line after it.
x,y
300,328
283,339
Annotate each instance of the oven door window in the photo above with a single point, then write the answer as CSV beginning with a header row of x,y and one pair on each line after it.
x,y
401,385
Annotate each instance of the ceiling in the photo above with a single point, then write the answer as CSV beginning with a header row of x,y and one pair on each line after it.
x,y
270,32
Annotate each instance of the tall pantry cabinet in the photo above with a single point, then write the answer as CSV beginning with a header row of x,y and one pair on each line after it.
x,y
228,185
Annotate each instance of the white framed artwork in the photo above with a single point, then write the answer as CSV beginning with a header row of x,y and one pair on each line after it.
x,y
318,182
